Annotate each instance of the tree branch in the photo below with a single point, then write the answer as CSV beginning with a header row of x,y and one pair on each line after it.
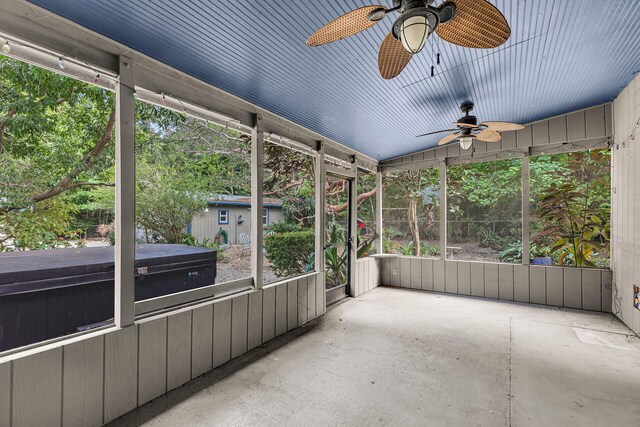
x,y
360,198
88,161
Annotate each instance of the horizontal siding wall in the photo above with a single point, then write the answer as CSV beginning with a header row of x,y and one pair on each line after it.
x,y
585,127
367,276
96,378
581,288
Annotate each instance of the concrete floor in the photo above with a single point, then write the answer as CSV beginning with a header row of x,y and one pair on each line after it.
x,y
403,357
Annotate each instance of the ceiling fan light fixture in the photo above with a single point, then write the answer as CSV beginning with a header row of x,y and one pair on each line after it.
x,y
414,33
466,142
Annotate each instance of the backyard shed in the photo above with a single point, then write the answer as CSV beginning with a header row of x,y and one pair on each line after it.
x,y
232,215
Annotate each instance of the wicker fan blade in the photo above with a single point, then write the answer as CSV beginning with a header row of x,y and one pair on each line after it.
x,y
392,57
477,24
447,139
488,135
502,126
433,133
347,25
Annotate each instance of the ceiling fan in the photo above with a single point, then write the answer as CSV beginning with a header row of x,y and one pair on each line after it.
x,y
468,129
467,23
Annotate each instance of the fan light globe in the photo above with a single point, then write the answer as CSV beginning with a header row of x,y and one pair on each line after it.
x,y
414,33
465,142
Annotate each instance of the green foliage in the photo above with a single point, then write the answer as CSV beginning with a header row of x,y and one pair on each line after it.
x,y
299,210
288,252
365,246
575,210
512,253
190,240
412,199
406,250
427,249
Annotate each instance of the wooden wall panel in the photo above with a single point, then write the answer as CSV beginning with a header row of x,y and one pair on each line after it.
x,y
202,340
491,285
179,330
302,300
269,313
221,332
572,288
547,285
82,383
311,298
320,294
37,389
239,316
415,281
120,372
95,379
292,304
464,278
394,267
427,274
595,122
254,323
451,277
477,279
555,291
540,133
576,126
591,290
438,275
521,283
5,394
508,140
152,360
385,277
607,304
281,309
505,282
405,272
538,285
558,130
524,137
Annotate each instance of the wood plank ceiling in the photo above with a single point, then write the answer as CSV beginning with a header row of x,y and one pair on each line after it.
x,y
562,56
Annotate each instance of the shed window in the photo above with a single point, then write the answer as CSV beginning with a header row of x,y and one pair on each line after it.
x,y
223,216
265,216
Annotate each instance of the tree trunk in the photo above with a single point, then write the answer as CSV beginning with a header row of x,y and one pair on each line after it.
x,y
412,216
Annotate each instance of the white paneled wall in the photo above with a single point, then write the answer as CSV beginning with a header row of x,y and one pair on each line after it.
x,y
367,276
625,204
588,289
583,127
93,379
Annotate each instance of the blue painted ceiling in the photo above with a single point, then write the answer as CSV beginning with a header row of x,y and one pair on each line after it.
x,y
563,55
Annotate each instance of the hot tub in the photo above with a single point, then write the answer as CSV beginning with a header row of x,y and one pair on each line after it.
x,y
48,294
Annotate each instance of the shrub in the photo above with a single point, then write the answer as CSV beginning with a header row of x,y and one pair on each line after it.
x,y
288,252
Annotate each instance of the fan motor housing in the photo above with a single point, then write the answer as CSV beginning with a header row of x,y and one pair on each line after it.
x,y
410,8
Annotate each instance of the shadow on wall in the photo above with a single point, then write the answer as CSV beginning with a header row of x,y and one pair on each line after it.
x,y
162,404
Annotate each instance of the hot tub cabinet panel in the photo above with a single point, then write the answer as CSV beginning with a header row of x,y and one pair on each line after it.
x,y
47,294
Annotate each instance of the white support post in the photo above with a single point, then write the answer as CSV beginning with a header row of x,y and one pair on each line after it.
x,y
378,215
125,196
443,209
320,178
353,228
257,202
525,209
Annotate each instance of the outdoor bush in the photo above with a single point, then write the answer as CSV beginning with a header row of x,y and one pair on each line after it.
x,y
288,252
512,253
